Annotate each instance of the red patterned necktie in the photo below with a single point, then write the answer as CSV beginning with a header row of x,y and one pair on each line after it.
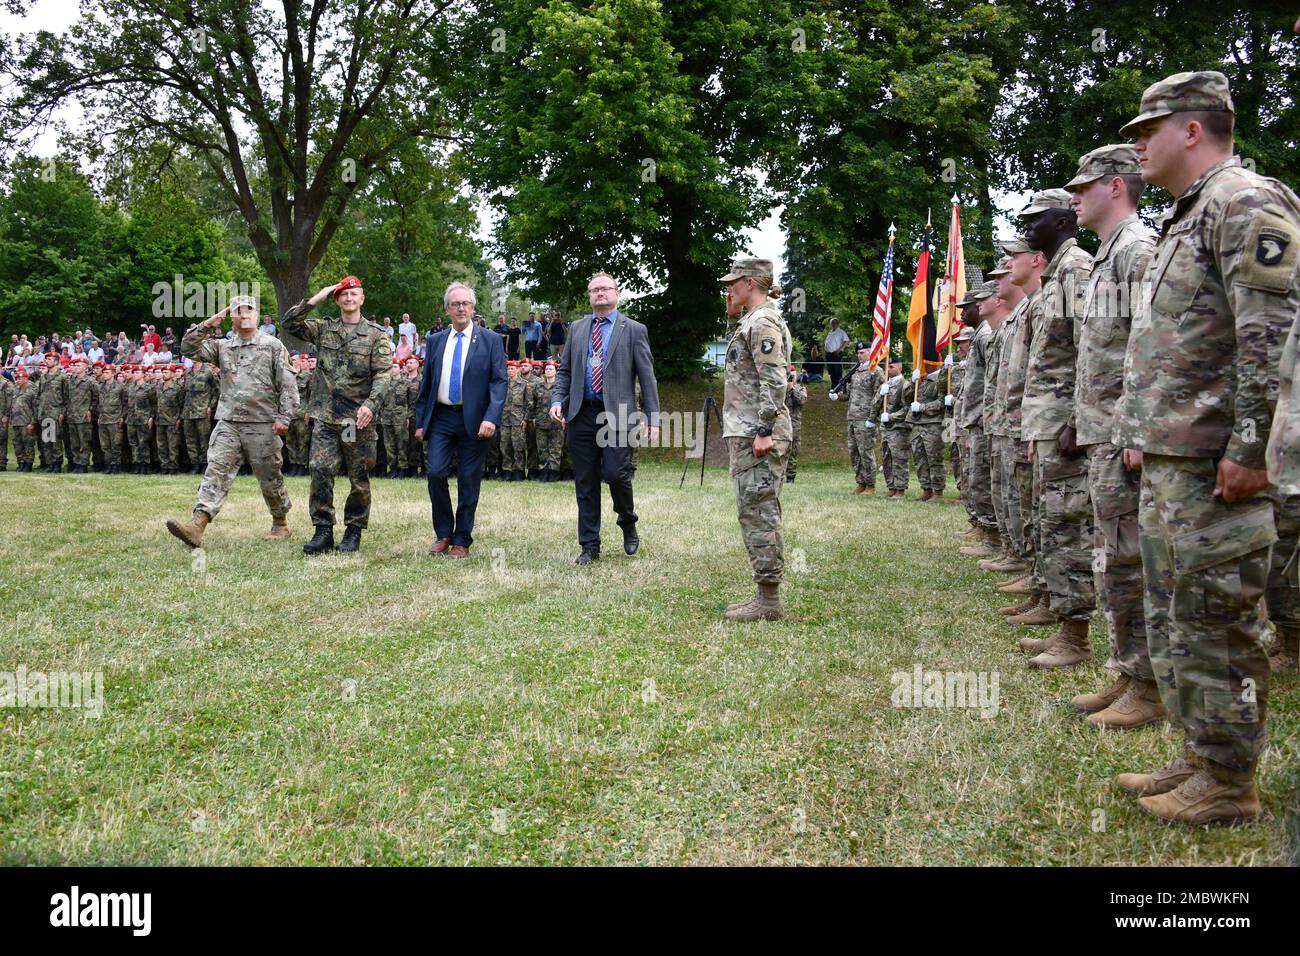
x,y
597,358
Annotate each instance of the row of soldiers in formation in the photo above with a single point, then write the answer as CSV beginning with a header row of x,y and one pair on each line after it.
x,y
158,418
1123,446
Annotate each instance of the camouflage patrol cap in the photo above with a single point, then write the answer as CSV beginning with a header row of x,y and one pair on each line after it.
x,y
1201,91
1001,269
966,334
749,268
1119,159
977,294
243,302
1044,200
1011,247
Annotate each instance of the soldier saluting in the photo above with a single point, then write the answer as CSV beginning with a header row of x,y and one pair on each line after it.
x,y
353,359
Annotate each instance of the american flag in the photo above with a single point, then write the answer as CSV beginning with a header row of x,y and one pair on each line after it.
x,y
884,303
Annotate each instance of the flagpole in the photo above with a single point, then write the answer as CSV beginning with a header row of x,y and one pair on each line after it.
x,y
916,390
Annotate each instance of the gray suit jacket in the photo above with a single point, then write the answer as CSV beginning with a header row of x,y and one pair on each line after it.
x,y
627,361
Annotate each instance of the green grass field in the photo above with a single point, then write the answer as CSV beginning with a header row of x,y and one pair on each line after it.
x,y
394,708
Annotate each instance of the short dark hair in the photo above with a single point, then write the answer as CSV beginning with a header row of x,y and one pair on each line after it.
x,y
1134,185
1218,124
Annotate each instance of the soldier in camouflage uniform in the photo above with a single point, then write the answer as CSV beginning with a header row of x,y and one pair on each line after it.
x,y
528,455
1060,466
969,415
1006,505
416,452
197,405
864,402
393,422
298,442
550,433
140,397
51,386
167,420
925,414
258,397
111,403
22,419
514,415
80,415
352,356
1200,381
896,440
1105,194
6,407
756,428
956,436
796,397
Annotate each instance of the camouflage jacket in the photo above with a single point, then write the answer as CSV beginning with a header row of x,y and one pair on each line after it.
x,y
171,396
51,393
7,389
1284,438
82,399
393,409
140,398
303,377
865,400
112,402
933,389
200,393
956,389
1048,403
992,419
1113,289
1015,363
796,397
257,383
970,409
897,403
22,410
540,409
352,363
515,411
1200,375
753,393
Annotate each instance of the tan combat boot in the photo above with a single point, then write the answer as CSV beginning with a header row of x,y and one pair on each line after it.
x,y
1019,586
191,532
766,606
1011,610
1007,564
926,494
1038,616
974,532
1091,703
859,489
279,528
1283,658
1214,794
870,490
1070,647
1163,780
1138,706
986,546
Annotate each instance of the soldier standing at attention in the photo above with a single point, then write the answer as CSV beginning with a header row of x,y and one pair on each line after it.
x,y
513,419
139,419
51,398
895,444
196,414
550,433
1200,381
6,406
796,397
353,356
112,404
258,396
756,427
416,453
22,419
298,444
393,417
1105,194
167,421
863,385
926,417
82,396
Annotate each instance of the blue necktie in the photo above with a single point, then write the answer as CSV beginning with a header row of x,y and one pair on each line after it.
x,y
453,389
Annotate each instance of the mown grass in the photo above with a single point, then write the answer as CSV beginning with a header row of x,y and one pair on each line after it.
x,y
515,709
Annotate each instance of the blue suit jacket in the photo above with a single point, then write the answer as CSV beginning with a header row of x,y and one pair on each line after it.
x,y
482,388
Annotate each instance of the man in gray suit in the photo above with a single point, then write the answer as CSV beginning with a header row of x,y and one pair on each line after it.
x,y
594,397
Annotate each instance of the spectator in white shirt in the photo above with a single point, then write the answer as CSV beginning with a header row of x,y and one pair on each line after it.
x,y
836,339
407,327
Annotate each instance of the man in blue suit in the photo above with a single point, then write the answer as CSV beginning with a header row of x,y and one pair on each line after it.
x,y
462,393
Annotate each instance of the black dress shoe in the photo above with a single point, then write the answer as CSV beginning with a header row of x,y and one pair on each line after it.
x,y
631,542
587,557
351,539
322,541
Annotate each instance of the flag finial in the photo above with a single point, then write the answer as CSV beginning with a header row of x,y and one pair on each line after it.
x,y
954,199
892,230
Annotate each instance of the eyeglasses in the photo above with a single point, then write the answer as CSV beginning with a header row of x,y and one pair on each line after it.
x,y
602,288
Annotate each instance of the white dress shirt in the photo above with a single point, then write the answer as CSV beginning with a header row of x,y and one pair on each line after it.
x,y
444,380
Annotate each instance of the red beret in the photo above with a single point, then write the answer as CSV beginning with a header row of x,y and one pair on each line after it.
x,y
351,282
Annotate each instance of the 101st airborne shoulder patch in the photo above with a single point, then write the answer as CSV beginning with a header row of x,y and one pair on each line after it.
x,y
1268,262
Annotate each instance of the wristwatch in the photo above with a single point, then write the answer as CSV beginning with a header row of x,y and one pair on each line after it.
x,y
764,431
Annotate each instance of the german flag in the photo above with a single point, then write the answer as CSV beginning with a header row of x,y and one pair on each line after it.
x,y
920,316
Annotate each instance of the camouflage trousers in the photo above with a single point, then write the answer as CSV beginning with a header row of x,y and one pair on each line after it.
x,y
4,444
81,438
138,436
758,484
996,490
513,448
51,436
1282,596
1065,529
169,444
549,441
792,460
530,444
198,432
395,444
959,452
1023,470
1117,565
110,442
978,484
896,448
332,456
862,452
417,452
24,446
1205,563
228,446
927,452
298,444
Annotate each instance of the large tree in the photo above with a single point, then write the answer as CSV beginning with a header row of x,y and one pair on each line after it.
x,y
290,105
